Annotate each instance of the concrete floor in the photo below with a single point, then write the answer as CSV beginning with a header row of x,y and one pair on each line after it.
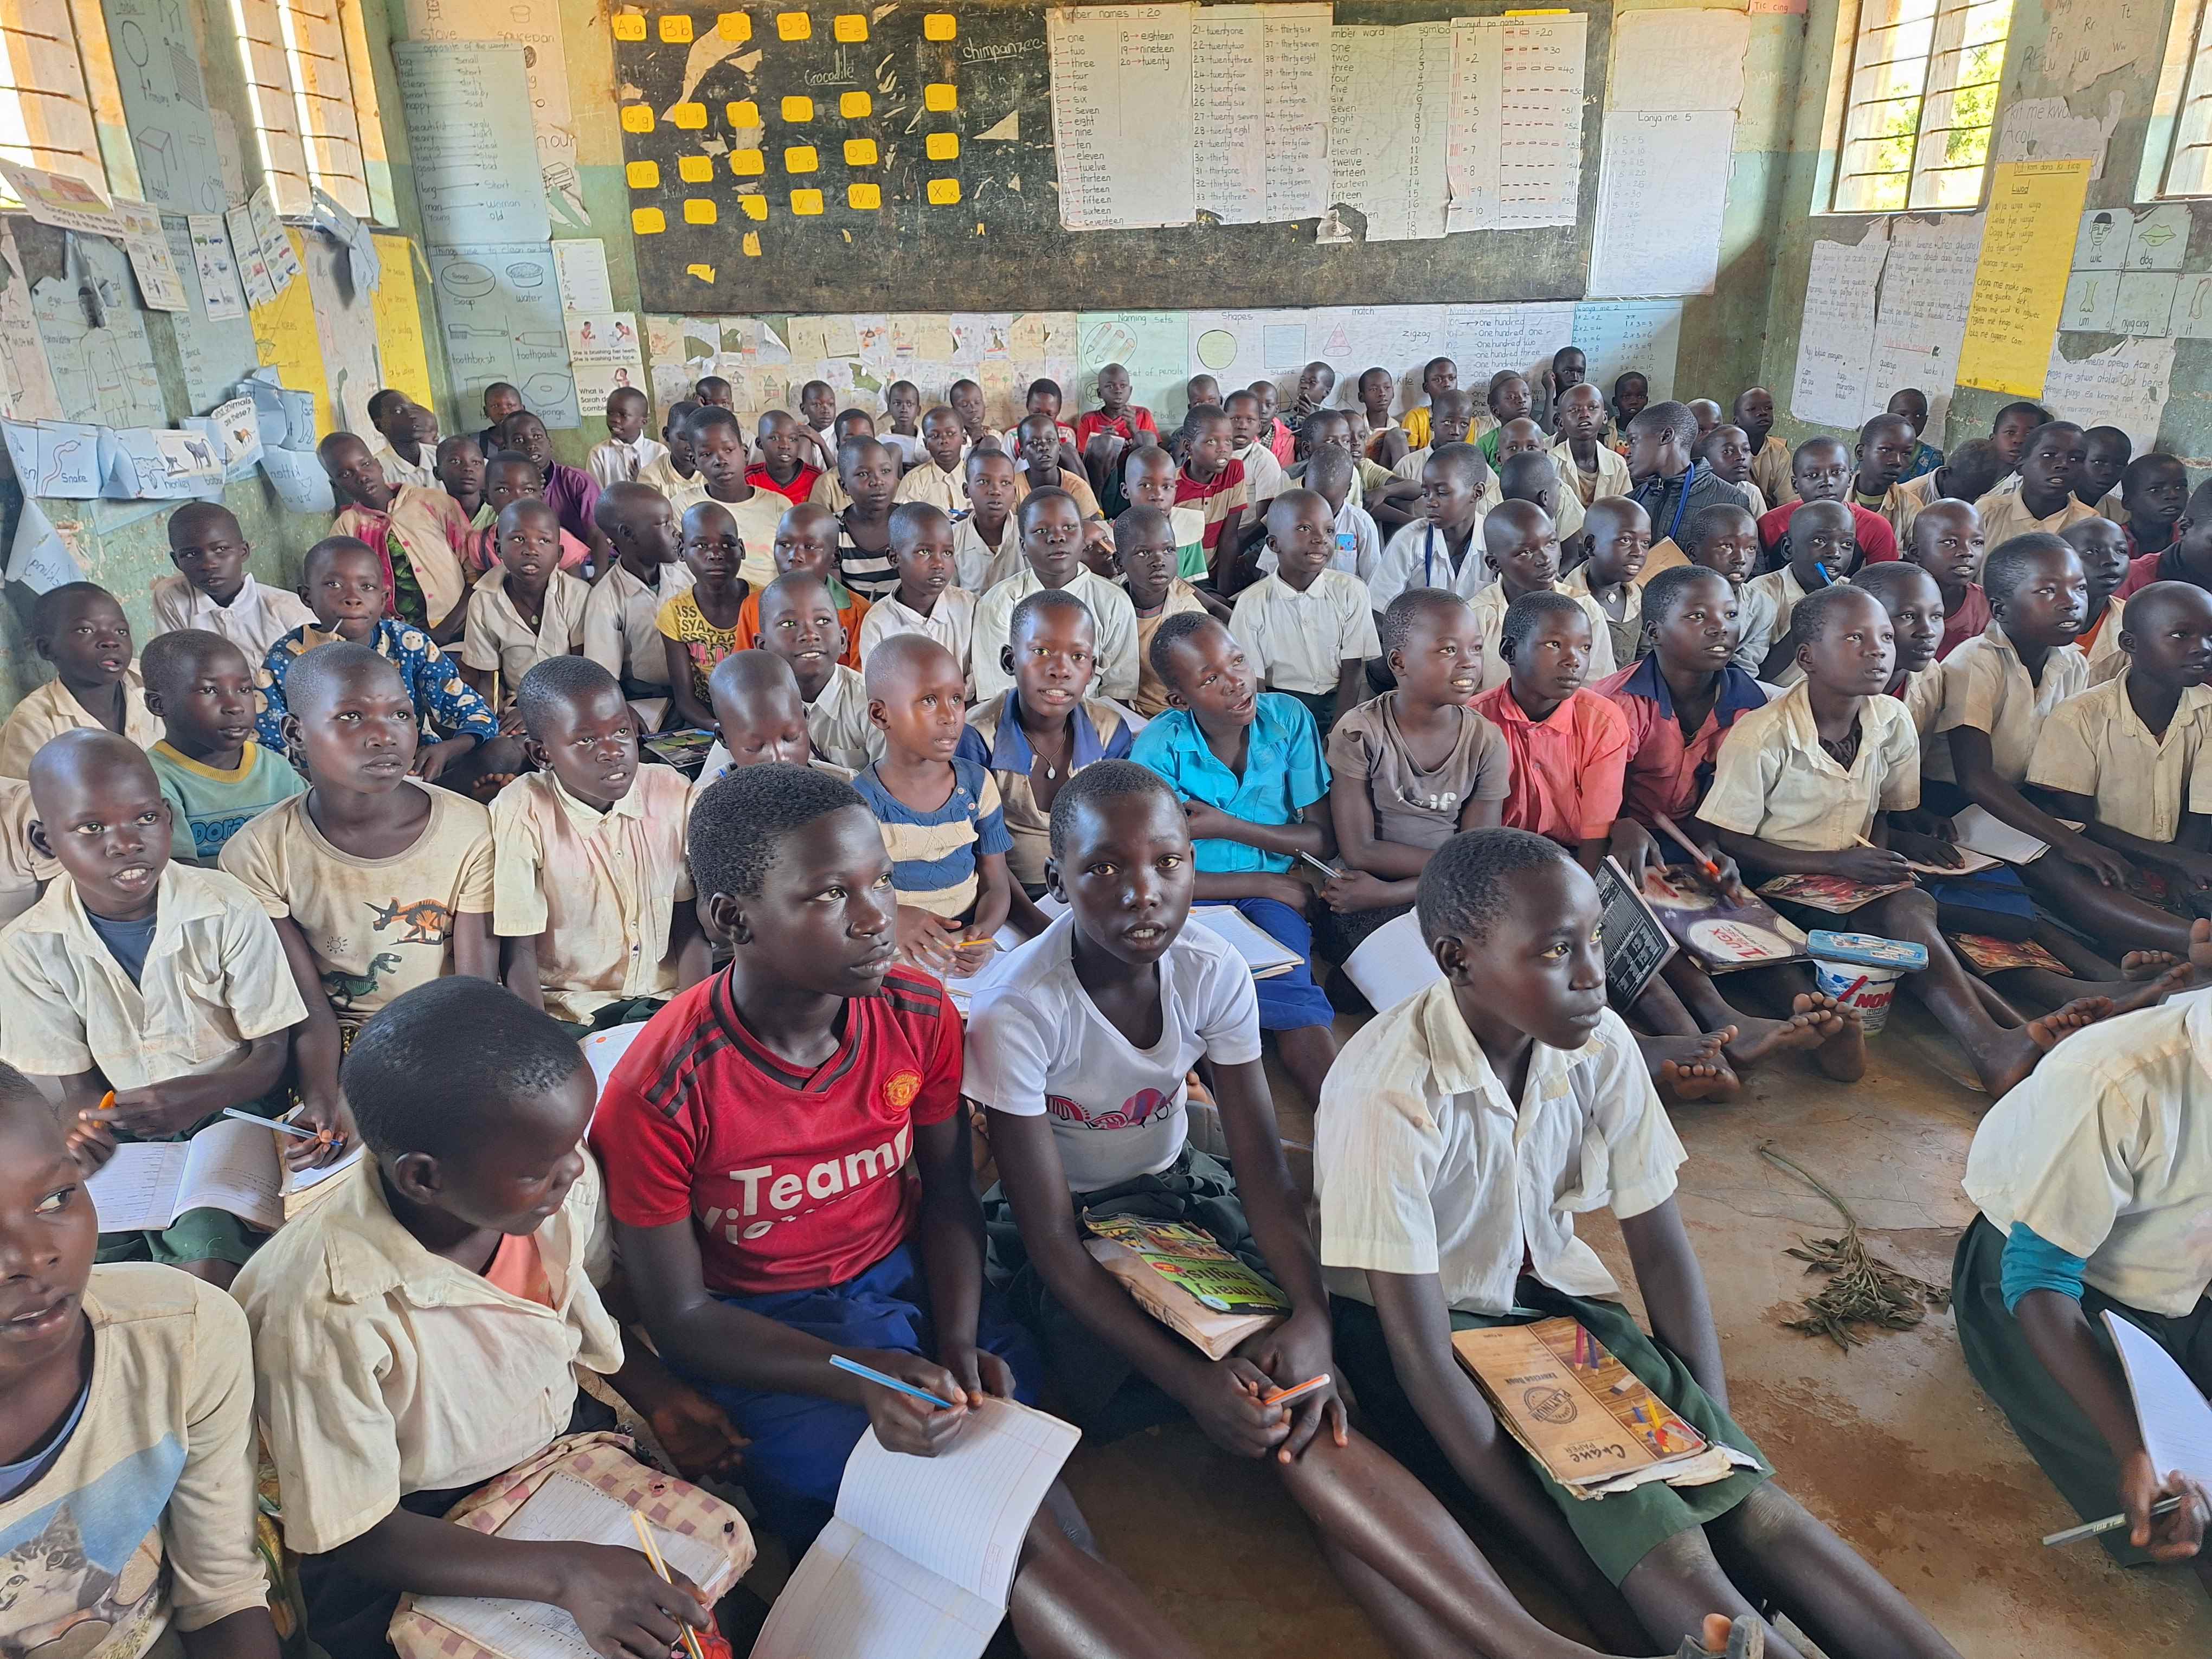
x,y
1891,1444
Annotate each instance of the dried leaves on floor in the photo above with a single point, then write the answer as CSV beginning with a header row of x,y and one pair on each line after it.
x,y
1861,1291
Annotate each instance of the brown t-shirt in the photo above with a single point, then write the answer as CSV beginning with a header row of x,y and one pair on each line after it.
x,y
1414,808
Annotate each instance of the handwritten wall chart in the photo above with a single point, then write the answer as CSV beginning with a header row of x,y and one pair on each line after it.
x,y
1121,108
2019,289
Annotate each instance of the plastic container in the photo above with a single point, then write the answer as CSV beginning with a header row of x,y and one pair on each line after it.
x,y
1870,990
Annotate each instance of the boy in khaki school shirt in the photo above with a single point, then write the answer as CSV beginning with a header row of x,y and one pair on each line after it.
x,y
81,629
527,610
589,886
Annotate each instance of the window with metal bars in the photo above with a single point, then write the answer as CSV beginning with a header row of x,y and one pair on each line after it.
x,y
2188,163
1920,104
58,91
311,98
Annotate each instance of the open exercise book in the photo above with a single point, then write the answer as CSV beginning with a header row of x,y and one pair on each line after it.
x,y
565,1509
2170,1411
229,1165
920,1556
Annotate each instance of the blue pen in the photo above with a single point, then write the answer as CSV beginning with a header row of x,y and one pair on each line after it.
x,y
870,1374
1826,580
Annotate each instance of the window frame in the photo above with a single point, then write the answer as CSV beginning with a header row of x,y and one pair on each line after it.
x,y
2188,33
297,155
111,166
1829,176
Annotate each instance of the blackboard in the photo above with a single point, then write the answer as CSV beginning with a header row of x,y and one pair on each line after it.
x,y
1000,246
1636,945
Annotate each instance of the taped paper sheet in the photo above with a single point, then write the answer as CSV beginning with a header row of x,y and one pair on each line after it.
x,y
458,98
1926,288
1661,193
1678,59
1122,115
1390,101
2019,288
1835,342
535,26
2126,388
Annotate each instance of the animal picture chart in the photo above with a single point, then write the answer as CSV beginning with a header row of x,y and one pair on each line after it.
x,y
1121,102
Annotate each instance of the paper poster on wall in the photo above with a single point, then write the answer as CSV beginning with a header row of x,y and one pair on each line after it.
x,y
1154,346
2047,130
1260,143
1486,339
345,328
234,428
2019,289
215,352
535,26
280,253
164,103
155,464
1926,288
217,268
1387,180
104,371
606,354
56,200
499,310
146,244
475,183
1661,194
246,249
57,458
580,263
1122,115
1513,154
1623,336
1678,59
42,558
285,339
398,309
26,383
1835,340
2126,277
2126,388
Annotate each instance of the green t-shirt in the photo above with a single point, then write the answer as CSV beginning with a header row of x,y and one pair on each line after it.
x,y
210,808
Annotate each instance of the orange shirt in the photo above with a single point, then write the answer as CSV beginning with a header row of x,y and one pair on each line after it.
x,y
1568,769
848,613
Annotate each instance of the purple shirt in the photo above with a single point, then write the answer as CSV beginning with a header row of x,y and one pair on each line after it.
x,y
573,494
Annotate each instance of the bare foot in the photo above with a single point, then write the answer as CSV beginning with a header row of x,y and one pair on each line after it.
x,y
1813,1020
2007,1062
2177,977
1842,1053
1690,1068
2146,964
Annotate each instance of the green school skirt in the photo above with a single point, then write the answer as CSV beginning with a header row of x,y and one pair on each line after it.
x,y
1322,705
205,1235
2042,1414
1618,1530
1092,1384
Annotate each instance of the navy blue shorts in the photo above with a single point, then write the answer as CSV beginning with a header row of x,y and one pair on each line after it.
x,y
801,1441
1292,1001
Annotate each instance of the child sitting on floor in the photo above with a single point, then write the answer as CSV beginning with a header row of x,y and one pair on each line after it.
x,y
1520,546
1511,1079
698,625
1149,479
1820,549
799,622
1806,786
936,480
1724,540
154,993
869,473
1727,451
126,1431
460,1258
80,628
2050,466
2102,547
460,468
720,444
939,810
1914,600
526,610
627,452
1585,461
1212,480
511,477
1945,540
213,775
213,589
1664,479
1250,765
782,468
1967,474
376,884
421,536
1821,470
986,549
620,629
762,718
812,1051
589,890
1442,547
806,540
1619,539
1053,534
902,411
926,603
1042,730
1145,553
1306,626
676,475
2153,494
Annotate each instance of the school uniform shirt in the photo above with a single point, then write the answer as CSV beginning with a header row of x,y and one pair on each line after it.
x,y
1358,541
255,619
1263,473
797,491
1414,807
996,740
1756,629
2106,1151
1424,1163
1411,463
1040,1048
398,470
1284,773
2004,515
1074,484
1420,555
1754,499
376,926
977,566
660,472
718,766
1152,695
1626,634
2096,744
1301,641
614,462
1610,478
446,705
907,445
1490,606
1772,779
950,622
934,852
421,540
598,889
144,1526
1216,498
1912,497
22,866
208,805
383,1370
1114,619
1568,768
1877,541
1667,773
1985,685
791,1178
50,710
1921,693
1769,470
1779,593
214,982
932,485
621,631
500,637
828,494
838,722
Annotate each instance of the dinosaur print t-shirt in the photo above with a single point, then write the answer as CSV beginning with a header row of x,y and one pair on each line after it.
x,y
377,927
145,1516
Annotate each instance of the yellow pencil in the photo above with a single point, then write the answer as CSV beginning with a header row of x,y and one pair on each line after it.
x,y
652,1554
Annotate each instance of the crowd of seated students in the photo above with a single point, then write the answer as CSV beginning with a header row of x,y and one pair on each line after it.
x,y
990,712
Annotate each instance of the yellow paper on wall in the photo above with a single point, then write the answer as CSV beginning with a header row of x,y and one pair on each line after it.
x,y
2020,284
400,321
284,339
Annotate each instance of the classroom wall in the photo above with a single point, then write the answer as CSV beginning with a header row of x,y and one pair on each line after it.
x,y
125,546
2137,33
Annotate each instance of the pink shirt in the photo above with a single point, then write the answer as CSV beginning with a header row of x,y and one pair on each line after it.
x,y
1568,769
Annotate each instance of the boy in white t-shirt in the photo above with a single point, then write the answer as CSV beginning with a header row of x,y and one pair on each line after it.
x,y
1081,1054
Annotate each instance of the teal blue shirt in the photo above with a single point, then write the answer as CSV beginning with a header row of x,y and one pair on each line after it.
x,y
1284,774
207,807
